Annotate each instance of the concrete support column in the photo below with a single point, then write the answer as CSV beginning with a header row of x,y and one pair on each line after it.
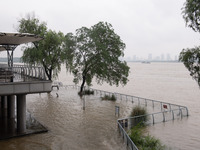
x,y
11,106
21,113
11,126
4,106
3,102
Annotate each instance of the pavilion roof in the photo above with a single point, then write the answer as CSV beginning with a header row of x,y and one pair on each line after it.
x,y
17,38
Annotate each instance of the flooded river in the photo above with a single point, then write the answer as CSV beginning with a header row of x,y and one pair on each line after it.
x,y
72,128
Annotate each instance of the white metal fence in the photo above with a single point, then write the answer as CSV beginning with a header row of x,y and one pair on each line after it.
x,y
21,73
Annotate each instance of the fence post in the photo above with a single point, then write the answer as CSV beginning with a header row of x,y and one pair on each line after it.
x,y
163,117
117,110
172,114
153,118
187,111
138,101
181,113
126,123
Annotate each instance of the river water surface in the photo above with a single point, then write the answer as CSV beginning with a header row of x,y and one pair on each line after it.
x,y
72,128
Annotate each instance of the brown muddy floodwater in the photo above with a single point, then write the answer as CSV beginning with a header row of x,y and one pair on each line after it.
x,y
72,128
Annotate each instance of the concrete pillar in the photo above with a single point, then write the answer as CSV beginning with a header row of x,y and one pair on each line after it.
x,y
4,125
21,113
4,106
11,106
3,102
0,108
11,126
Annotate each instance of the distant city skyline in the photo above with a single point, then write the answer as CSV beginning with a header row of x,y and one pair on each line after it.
x,y
152,57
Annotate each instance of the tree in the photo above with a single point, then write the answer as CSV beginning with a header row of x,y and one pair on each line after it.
x,y
191,14
191,56
95,52
46,52
191,59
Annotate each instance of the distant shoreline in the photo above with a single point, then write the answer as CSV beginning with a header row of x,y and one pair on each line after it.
x,y
156,61
18,60
15,59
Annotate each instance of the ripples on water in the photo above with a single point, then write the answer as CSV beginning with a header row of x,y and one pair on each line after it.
x,y
95,128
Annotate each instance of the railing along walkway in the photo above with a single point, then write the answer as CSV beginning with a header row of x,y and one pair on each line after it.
x,y
21,73
167,112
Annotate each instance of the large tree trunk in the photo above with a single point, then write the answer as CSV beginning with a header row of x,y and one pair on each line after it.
x,y
48,73
82,85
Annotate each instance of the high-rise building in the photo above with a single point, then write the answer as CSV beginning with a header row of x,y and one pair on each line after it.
x,y
134,57
150,57
168,57
162,57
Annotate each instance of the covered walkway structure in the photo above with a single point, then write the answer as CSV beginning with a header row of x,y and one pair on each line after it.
x,y
16,81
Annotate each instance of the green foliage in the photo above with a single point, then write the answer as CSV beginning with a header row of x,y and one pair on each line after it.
x,y
139,111
136,135
95,52
191,14
47,52
191,56
191,60
144,142
108,97
32,25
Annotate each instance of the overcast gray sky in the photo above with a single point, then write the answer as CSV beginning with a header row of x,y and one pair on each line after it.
x,y
146,26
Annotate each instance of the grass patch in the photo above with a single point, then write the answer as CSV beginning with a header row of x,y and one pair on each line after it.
x,y
108,97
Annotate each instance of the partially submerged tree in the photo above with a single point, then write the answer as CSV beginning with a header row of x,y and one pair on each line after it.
x,y
191,56
46,52
95,52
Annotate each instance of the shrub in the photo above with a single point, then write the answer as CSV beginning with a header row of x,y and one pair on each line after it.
x,y
144,142
138,111
136,135
108,97
86,92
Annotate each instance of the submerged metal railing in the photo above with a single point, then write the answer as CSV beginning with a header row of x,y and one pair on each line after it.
x,y
166,112
21,73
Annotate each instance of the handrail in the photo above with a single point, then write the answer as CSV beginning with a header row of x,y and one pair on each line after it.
x,y
21,73
126,138
139,99
124,123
